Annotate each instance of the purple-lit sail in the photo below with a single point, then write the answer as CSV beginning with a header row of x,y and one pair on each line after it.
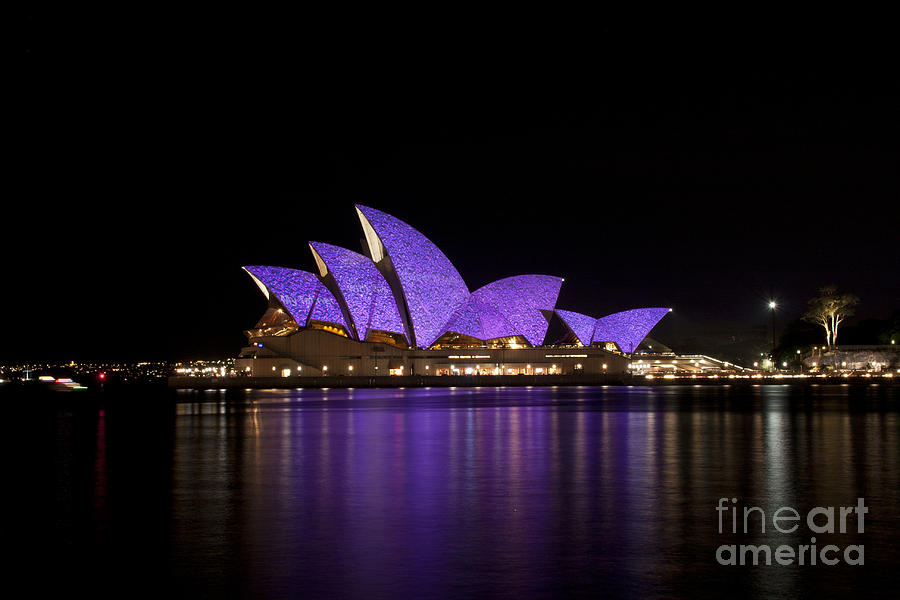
x,y
466,321
296,290
435,294
493,323
326,307
299,292
367,295
432,287
480,321
627,328
581,325
520,300
383,314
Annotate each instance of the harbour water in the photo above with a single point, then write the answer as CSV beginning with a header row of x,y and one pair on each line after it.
x,y
508,492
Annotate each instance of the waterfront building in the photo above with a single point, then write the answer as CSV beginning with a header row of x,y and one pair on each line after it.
x,y
652,357
402,308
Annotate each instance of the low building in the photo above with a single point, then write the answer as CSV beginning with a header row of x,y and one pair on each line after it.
x,y
316,352
654,358
874,358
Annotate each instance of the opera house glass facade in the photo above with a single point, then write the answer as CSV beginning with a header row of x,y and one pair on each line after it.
x,y
402,308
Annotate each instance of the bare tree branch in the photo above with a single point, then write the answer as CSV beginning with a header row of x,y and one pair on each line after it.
x,y
829,310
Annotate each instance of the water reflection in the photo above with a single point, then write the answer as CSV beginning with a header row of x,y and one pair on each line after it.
x,y
510,491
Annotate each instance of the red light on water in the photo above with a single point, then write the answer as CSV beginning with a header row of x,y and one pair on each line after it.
x,y
101,376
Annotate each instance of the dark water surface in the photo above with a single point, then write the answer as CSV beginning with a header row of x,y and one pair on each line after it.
x,y
425,493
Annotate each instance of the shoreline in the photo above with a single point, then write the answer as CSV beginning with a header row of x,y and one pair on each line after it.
x,y
424,381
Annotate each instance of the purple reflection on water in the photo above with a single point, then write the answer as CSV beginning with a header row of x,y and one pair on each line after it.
x,y
514,492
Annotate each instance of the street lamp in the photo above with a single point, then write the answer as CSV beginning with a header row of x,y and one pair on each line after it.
x,y
772,307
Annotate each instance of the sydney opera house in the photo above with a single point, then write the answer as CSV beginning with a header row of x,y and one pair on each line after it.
x,y
402,308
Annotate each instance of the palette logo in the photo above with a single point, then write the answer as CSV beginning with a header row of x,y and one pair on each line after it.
x,y
786,520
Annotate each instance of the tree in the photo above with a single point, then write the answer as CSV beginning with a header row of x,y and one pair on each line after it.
x,y
818,313
829,309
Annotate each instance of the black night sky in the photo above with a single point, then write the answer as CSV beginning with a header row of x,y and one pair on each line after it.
x,y
142,181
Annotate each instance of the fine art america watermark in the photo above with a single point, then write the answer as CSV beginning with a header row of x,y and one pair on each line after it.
x,y
820,521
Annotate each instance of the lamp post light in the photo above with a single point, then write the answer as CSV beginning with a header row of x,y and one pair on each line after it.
x,y
772,307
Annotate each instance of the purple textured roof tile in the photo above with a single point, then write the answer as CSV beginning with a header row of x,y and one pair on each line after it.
x,y
581,325
519,300
479,320
383,314
367,295
493,323
627,328
466,321
326,307
432,286
298,291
